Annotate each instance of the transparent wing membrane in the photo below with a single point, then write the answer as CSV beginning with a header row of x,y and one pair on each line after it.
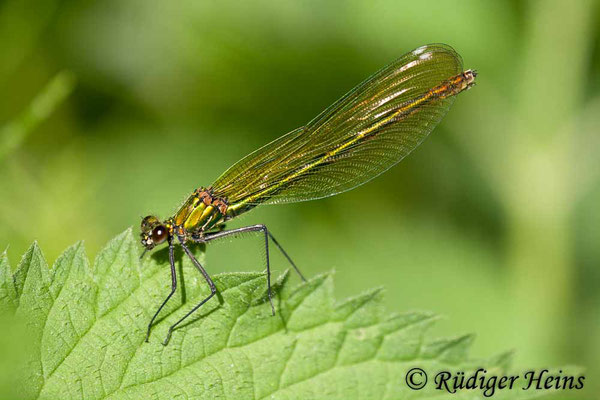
x,y
360,136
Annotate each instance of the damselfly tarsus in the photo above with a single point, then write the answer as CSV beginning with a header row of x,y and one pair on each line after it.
x,y
360,136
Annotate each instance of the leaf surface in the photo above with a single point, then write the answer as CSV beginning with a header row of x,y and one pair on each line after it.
x,y
86,323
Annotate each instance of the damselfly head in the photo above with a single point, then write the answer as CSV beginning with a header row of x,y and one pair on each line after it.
x,y
154,232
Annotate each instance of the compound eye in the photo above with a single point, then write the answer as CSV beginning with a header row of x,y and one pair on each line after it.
x,y
159,234
148,222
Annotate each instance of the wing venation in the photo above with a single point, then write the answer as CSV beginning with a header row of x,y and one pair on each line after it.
x,y
360,136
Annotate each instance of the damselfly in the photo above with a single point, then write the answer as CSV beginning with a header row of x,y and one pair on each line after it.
x,y
360,136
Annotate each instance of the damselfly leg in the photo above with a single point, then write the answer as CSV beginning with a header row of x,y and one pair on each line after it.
x,y
173,287
250,229
211,284
208,238
267,234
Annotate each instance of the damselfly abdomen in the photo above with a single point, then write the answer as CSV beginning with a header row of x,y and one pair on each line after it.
x,y
360,136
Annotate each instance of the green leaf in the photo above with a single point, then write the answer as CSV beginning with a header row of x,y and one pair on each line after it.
x,y
86,326
8,292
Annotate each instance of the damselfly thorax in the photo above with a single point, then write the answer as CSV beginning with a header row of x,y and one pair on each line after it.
x,y
200,213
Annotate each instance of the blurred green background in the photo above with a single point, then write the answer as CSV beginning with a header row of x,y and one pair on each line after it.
x,y
116,109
